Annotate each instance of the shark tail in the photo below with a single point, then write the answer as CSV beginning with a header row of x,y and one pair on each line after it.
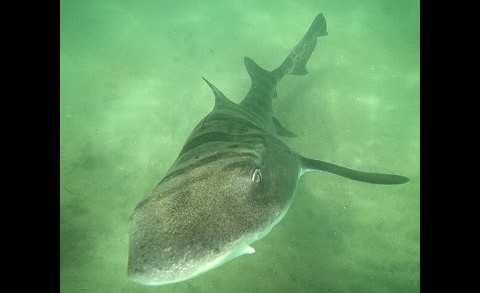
x,y
264,82
374,178
296,61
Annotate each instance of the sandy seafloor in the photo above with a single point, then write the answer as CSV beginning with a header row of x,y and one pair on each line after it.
x,y
131,92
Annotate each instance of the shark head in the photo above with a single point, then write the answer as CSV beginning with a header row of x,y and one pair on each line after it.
x,y
206,213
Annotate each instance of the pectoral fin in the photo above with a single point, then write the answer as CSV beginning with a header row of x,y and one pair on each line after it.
x,y
374,178
281,130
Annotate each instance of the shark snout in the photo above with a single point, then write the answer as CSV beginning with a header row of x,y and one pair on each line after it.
x,y
150,274
158,265
145,277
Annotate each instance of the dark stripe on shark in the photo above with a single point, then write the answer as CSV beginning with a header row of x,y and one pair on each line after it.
x,y
232,121
235,165
207,160
218,136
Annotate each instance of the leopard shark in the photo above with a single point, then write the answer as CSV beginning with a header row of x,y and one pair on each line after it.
x,y
232,182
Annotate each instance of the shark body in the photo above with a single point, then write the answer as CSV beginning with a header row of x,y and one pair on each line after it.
x,y
232,182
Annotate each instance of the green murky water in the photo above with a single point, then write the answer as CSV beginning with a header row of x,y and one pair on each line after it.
x,y
131,92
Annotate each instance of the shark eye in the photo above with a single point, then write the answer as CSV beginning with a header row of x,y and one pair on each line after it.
x,y
257,176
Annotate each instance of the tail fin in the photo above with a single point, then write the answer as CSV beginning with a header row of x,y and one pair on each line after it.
x,y
264,82
318,27
296,61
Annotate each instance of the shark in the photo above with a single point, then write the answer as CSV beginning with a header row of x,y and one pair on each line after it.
x,y
232,182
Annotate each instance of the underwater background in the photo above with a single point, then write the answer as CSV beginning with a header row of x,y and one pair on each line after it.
x,y
131,92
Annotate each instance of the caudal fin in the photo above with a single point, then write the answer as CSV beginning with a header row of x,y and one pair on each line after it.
x,y
296,61
318,27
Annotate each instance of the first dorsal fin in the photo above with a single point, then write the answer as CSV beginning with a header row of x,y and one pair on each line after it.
x,y
220,98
